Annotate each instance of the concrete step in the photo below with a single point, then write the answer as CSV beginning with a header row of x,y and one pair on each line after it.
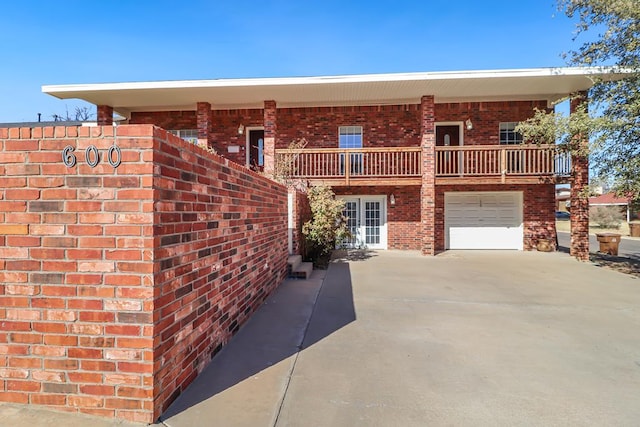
x,y
293,262
303,271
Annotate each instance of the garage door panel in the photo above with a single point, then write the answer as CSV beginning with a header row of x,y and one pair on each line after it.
x,y
484,238
484,220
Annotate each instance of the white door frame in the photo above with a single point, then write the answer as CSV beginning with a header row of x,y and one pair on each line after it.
x,y
362,199
247,148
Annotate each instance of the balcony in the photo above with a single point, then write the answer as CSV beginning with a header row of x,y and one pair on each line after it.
x,y
501,163
476,164
363,166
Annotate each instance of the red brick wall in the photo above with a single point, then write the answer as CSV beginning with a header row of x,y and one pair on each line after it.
x,y
383,126
538,210
170,120
270,121
427,190
579,197
403,218
104,115
224,127
77,291
397,125
221,249
104,272
486,117
301,213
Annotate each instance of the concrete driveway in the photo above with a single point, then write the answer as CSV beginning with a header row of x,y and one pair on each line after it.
x,y
464,339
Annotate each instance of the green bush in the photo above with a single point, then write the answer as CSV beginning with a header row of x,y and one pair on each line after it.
x,y
327,226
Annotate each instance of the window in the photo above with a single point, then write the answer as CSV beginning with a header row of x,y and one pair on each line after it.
x,y
189,135
508,134
350,137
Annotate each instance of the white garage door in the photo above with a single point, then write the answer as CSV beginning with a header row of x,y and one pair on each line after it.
x,y
483,220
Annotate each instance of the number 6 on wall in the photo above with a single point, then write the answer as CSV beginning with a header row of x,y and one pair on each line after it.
x,y
68,158
92,156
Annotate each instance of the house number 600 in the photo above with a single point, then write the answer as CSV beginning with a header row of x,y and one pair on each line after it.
x,y
92,156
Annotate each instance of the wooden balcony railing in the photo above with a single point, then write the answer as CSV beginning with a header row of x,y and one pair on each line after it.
x,y
488,160
348,164
404,163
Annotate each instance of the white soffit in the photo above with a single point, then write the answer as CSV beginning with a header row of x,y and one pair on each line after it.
x,y
547,84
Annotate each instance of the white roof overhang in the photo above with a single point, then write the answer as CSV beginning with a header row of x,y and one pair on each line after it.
x,y
548,84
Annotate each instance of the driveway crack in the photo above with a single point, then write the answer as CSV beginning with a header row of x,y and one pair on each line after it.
x,y
298,349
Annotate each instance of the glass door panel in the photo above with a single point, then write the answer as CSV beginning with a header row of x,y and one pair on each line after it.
x,y
352,213
372,222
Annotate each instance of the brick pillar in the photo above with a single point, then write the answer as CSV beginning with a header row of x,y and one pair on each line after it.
x,y
203,120
105,115
579,194
270,131
428,188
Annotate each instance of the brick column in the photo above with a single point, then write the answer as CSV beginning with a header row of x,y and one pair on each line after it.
x,y
203,120
270,131
105,115
428,188
579,195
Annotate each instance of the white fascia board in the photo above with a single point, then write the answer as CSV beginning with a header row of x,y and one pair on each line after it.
x,y
56,90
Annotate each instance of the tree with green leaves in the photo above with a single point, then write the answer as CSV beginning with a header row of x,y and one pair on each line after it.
x,y
612,32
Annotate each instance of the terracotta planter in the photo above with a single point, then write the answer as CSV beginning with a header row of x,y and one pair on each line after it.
x,y
609,243
544,245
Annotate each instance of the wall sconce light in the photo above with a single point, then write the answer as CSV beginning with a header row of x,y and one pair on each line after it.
x,y
392,199
240,129
468,124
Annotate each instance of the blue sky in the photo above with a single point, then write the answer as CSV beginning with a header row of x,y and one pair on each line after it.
x,y
67,42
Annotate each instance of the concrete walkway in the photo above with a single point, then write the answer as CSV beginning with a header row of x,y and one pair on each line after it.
x,y
464,338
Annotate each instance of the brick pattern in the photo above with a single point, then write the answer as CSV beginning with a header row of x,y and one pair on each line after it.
x,y
203,123
301,213
170,120
538,211
486,117
579,194
224,127
270,135
118,285
104,115
382,126
427,191
221,249
76,293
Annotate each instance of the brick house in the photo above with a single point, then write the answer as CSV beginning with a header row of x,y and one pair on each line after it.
x,y
424,161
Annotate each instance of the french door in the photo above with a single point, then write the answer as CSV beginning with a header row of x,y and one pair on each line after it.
x,y
366,221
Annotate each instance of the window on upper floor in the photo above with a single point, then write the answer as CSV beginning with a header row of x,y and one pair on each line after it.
x,y
508,134
350,137
189,135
